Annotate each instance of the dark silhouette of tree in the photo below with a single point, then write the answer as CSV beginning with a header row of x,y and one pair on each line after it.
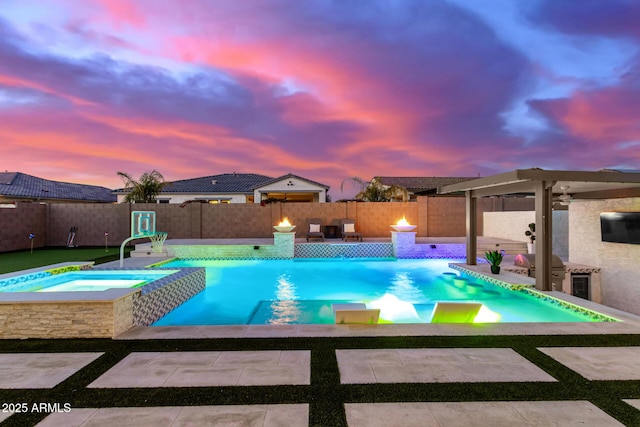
x,y
376,191
144,190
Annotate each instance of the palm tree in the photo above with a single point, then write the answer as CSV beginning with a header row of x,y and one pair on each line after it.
x,y
376,191
146,189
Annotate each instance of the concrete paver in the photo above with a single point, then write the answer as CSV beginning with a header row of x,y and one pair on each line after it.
x,y
40,370
633,402
493,414
208,368
436,365
599,363
240,415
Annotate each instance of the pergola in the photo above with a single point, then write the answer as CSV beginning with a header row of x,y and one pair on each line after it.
x,y
544,185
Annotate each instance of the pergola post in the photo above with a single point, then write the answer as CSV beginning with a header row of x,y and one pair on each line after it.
x,y
472,228
543,243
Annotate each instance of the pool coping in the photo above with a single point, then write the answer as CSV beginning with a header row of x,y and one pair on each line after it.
x,y
82,265
109,294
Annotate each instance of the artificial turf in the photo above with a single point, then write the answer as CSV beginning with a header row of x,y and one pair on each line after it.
x,y
325,395
23,260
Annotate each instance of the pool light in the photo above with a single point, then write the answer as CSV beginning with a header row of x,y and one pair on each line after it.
x,y
487,316
395,310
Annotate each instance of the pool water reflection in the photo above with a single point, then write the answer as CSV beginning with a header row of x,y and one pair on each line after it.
x,y
302,291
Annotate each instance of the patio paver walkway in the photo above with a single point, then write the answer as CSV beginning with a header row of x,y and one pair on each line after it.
x,y
40,370
594,363
493,414
163,384
436,366
241,415
633,402
210,368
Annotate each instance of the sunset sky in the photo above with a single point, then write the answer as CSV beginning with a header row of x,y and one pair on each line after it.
x,y
322,89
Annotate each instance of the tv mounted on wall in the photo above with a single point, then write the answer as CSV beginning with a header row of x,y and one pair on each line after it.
x,y
620,227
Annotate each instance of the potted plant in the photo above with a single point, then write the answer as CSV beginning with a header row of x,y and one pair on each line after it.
x,y
531,234
494,258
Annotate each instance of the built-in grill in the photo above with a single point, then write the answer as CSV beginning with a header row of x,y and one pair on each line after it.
x,y
528,261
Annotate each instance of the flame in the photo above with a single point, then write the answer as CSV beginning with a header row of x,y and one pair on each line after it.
x,y
284,223
403,221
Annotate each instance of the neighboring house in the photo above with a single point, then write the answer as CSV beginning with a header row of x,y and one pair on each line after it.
x,y
17,186
240,188
291,188
422,185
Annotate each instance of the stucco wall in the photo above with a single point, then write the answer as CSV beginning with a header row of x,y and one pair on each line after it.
x,y
508,225
16,224
620,275
561,234
434,216
512,226
376,218
92,221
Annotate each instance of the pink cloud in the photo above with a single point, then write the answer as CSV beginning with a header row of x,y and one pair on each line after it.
x,y
323,90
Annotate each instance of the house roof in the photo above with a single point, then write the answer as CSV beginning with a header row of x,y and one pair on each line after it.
x,y
23,186
290,175
226,183
231,183
422,184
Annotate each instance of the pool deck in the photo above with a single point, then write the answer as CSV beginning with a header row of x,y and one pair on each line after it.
x,y
274,375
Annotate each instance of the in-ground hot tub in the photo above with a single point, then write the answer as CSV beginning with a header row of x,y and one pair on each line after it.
x,y
68,302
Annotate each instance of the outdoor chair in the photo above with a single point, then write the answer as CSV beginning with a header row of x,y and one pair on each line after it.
x,y
315,230
355,313
349,230
455,312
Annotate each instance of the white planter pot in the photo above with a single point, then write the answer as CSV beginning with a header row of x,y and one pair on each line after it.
x,y
531,248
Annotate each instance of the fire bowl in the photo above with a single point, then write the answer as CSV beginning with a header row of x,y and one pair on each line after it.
x,y
404,227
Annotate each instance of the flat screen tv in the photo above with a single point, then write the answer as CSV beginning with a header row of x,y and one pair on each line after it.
x,y
620,227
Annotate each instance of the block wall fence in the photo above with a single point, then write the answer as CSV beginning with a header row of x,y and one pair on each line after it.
x,y
51,223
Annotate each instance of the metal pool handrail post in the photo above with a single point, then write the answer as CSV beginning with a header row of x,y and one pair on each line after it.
x,y
127,240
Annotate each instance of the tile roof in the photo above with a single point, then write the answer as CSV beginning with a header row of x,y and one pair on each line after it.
x,y
422,184
225,183
23,186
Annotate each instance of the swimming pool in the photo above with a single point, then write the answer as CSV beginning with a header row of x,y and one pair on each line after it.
x,y
302,291
88,280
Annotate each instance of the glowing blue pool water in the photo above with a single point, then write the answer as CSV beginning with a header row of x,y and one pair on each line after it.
x,y
301,291
88,280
